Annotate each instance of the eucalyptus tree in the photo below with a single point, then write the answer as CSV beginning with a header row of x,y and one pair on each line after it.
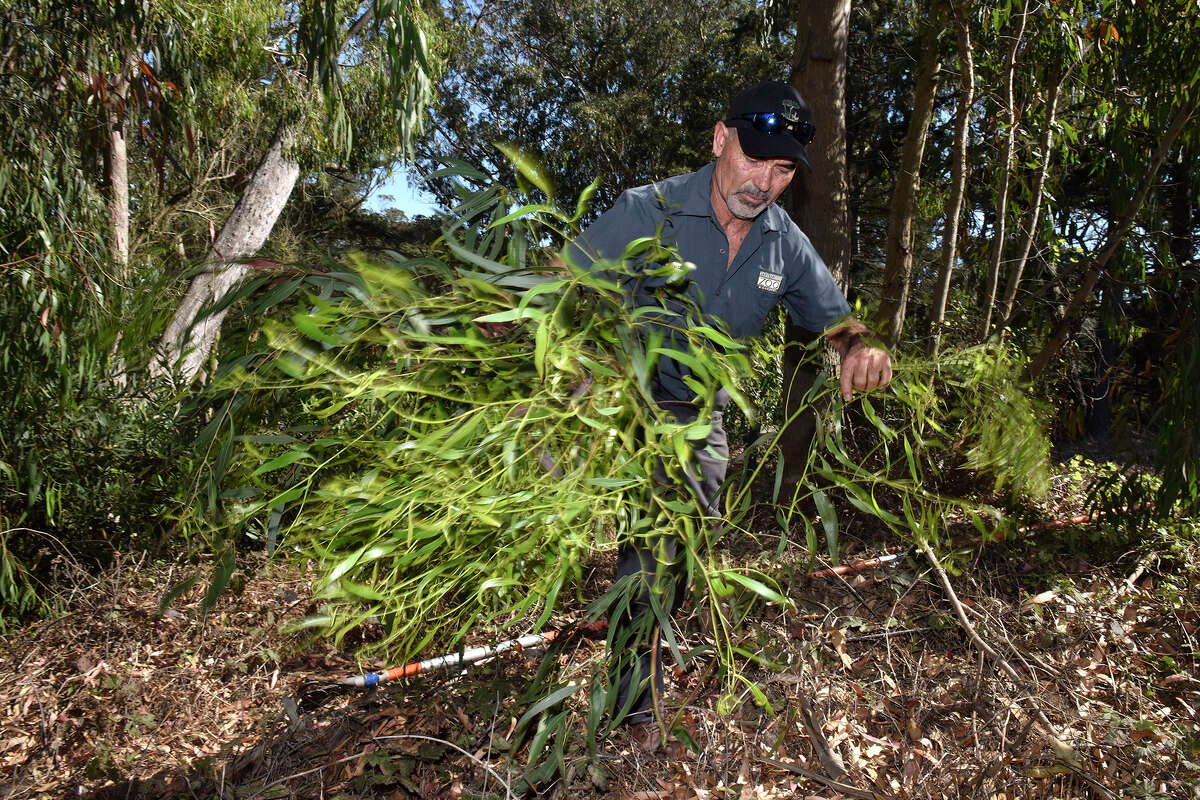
x,y
820,199
897,271
879,87
320,51
960,11
1146,100
594,89
1057,60
1004,169
80,154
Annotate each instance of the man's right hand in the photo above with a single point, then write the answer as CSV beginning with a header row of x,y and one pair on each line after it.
x,y
865,368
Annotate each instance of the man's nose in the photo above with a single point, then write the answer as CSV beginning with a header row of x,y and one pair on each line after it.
x,y
762,176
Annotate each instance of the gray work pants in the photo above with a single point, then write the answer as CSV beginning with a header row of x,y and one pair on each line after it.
x,y
636,630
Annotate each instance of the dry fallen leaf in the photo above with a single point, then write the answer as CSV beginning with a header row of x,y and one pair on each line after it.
x,y
1179,676
912,729
1038,599
837,638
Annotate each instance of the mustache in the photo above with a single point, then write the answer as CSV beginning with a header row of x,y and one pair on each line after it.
x,y
753,191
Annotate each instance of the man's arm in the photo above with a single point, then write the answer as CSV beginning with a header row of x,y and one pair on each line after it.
x,y
863,367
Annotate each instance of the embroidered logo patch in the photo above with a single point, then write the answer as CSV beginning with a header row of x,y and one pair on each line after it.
x,y
770,281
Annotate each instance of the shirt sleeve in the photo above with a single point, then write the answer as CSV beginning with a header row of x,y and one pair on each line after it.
x,y
812,297
633,216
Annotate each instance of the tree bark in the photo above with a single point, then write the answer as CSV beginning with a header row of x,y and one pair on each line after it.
x,y
1073,317
117,163
958,185
1010,67
819,196
897,270
118,191
192,333
1039,184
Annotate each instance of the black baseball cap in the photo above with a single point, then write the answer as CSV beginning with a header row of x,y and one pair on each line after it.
x,y
772,121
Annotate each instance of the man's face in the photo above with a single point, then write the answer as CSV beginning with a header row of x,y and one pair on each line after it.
x,y
748,185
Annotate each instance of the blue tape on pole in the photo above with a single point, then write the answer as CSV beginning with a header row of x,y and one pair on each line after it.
x,y
372,679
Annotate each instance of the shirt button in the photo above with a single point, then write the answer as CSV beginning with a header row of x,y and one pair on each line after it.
x,y
718,292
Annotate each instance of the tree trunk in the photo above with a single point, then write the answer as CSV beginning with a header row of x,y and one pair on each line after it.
x,y
819,197
898,268
1010,67
958,185
1039,183
192,333
117,167
118,191
1073,316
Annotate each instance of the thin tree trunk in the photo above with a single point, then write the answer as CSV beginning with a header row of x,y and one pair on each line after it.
x,y
819,197
1010,67
118,191
958,185
1073,316
192,333
117,163
1031,224
898,269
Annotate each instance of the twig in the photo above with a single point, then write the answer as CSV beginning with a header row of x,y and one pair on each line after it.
x,y
701,683
295,775
829,759
844,788
452,745
887,634
507,790
1064,752
978,641
1139,569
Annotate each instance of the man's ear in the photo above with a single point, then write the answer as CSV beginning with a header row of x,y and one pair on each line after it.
x,y
720,138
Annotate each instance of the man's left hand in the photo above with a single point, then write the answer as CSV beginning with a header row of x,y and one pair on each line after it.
x,y
865,368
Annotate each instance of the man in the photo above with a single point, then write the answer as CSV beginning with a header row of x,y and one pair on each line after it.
x,y
749,257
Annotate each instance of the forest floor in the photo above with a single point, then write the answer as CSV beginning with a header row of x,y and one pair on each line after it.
x,y
110,699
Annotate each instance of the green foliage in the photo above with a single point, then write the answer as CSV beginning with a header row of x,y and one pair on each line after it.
x,y
443,477
964,410
1002,422
597,88
88,450
1173,490
1177,445
20,591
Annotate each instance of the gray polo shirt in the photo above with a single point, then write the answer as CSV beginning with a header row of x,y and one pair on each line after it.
x,y
776,263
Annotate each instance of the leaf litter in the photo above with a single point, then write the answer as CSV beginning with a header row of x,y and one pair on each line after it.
x,y
110,699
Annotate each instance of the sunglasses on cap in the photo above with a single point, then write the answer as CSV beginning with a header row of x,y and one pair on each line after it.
x,y
774,122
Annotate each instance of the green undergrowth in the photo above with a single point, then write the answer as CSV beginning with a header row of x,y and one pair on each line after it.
x,y
90,445
451,439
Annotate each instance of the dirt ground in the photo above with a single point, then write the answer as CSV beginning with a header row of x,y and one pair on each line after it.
x,y
870,671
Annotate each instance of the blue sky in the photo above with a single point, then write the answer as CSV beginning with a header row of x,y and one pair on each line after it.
x,y
398,191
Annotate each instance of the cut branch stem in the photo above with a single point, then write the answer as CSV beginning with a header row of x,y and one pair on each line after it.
x,y
1062,750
